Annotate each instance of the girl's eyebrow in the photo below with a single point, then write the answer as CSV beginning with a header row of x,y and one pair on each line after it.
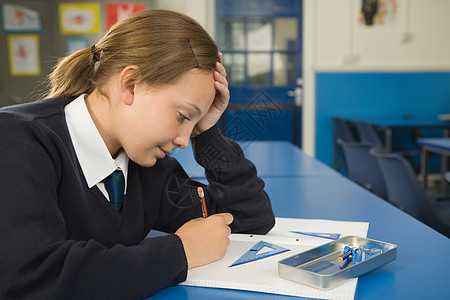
x,y
198,111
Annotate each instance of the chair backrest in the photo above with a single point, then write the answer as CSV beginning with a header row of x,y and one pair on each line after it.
x,y
362,167
343,131
403,189
368,134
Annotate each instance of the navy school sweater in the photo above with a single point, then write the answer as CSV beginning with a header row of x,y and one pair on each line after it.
x,y
61,240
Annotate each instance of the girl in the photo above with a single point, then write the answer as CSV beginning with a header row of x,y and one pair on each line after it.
x,y
151,84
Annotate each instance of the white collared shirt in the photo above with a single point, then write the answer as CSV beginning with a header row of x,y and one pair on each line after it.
x,y
92,153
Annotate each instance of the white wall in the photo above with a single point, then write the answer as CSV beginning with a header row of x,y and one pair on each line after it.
x,y
417,38
203,11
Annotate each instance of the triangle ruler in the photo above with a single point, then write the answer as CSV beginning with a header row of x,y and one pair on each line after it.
x,y
331,236
255,252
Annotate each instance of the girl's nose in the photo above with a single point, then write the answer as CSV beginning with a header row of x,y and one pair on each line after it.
x,y
182,140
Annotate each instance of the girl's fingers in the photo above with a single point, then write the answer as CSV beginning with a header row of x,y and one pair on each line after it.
x,y
221,83
221,69
223,90
220,78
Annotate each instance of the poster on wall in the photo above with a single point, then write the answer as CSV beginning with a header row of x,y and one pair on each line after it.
x,y
23,53
17,18
117,11
79,18
74,45
378,12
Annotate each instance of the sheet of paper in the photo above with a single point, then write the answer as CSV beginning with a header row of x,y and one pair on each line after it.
x,y
262,275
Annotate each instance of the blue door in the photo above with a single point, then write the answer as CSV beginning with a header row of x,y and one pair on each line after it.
x,y
261,41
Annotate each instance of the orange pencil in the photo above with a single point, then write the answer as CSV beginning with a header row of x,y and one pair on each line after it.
x,y
201,194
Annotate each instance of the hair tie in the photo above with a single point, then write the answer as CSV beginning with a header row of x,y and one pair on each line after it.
x,y
95,55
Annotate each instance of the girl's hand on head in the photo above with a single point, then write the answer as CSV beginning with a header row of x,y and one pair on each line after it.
x,y
220,102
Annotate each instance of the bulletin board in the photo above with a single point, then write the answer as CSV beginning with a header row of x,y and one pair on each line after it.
x,y
36,33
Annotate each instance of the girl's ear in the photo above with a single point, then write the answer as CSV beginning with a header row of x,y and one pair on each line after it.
x,y
127,84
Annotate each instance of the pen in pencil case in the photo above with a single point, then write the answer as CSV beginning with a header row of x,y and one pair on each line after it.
x,y
201,194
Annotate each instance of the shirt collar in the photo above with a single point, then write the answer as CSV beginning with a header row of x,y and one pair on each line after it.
x,y
92,153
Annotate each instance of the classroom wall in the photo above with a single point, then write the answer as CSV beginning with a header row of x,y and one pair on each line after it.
x,y
421,95
402,66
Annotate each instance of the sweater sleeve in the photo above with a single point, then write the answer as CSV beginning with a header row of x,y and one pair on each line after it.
x,y
233,186
39,261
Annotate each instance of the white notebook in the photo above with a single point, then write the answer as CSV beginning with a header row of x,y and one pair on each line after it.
x,y
262,275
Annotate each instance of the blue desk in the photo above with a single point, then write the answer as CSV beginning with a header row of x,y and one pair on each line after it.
x,y
271,158
433,145
413,275
409,276
387,124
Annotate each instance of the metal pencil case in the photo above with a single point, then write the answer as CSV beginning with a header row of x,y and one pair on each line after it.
x,y
320,267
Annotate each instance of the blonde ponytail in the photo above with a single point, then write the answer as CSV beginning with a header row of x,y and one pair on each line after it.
x,y
73,74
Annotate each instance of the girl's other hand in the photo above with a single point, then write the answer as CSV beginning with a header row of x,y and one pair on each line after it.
x,y
220,102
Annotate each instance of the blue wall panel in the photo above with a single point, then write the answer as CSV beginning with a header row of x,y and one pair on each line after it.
x,y
418,94
249,125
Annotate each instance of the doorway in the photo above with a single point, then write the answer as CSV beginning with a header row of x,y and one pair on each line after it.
x,y
261,41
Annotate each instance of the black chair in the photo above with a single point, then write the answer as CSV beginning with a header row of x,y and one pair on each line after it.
x,y
362,167
344,132
405,192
